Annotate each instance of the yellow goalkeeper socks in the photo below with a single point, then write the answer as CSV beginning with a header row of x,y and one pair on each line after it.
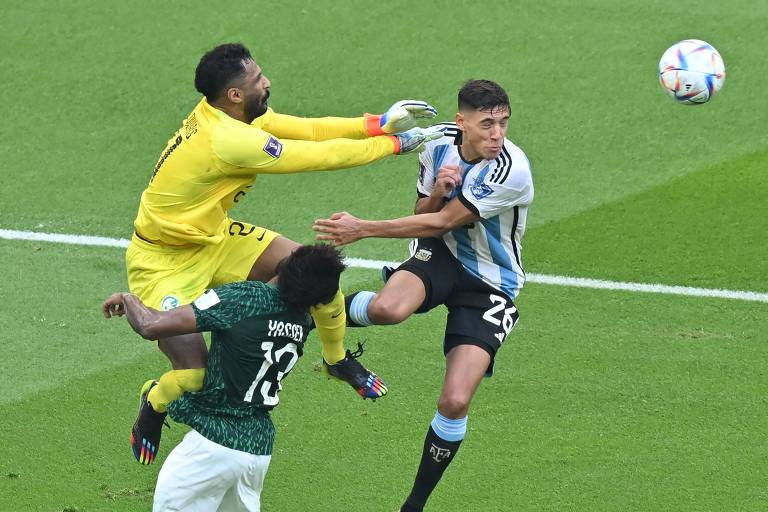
x,y
172,385
330,322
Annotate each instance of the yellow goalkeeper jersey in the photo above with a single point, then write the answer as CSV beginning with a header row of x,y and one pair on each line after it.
x,y
210,163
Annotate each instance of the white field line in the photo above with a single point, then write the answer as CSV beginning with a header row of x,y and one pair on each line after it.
x,y
578,282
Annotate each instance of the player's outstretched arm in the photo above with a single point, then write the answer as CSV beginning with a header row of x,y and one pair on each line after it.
x,y
150,323
248,152
413,140
343,228
400,117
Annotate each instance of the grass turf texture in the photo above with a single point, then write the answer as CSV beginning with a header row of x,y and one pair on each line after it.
x,y
656,409
602,401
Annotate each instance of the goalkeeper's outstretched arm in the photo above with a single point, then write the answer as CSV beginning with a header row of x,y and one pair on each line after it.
x,y
250,152
400,117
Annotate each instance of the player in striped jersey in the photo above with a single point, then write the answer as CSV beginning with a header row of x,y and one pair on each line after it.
x,y
474,189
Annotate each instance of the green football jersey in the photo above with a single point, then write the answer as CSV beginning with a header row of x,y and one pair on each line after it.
x,y
256,339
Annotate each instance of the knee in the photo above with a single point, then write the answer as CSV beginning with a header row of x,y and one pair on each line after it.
x,y
384,310
454,405
190,380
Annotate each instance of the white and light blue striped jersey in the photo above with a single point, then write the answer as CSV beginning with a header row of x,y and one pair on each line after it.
x,y
499,191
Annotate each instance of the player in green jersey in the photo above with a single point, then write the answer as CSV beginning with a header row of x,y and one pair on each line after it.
x,y
258,333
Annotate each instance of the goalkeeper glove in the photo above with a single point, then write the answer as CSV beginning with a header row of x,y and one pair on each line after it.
x,y
414,139
400,117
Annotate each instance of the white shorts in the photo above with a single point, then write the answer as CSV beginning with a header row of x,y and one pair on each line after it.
x,y
202,476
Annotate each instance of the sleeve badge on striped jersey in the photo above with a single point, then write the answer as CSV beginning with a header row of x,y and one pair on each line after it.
x,y
480,190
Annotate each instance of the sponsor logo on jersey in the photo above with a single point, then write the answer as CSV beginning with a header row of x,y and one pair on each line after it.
x,y
165,155
273,147
439,454
480,190
169,302
423,255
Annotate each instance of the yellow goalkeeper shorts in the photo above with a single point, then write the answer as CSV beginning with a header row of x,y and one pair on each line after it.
x,y
167,277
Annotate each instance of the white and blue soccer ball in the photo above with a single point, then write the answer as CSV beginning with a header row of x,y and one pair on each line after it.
x,y
691,71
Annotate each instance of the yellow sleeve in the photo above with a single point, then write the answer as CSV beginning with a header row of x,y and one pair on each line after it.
x,y
316,129
250,151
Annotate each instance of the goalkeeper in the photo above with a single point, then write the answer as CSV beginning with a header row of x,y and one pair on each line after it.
x,y
185,242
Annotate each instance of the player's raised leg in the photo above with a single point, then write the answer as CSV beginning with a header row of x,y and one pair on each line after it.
x,y
330,322
188,355
167,279
465,367
402,295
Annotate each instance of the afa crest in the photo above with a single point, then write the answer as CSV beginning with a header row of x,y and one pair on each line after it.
x,y
480,190
423,255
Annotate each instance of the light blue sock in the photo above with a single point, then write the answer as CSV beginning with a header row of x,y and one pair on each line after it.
x,y
448,429
358,308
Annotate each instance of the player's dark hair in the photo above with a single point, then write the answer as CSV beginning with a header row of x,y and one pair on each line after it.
x,y
482,95
219,67
310,275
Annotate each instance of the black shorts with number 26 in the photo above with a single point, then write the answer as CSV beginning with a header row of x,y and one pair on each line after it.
x,y
477,313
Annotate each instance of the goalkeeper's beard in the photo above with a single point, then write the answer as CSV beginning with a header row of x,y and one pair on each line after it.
x,y
255,107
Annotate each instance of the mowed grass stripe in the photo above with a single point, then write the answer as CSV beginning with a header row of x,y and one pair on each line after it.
x,y
643,410
703,229
51,323
558,280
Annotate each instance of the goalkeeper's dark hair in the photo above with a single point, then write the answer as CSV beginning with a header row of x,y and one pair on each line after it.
x,y
482,95
219,67
310,275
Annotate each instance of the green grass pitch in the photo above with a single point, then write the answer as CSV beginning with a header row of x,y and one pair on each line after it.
x,y
602,400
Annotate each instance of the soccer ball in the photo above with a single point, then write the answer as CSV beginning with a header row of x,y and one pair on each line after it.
x,y
691,71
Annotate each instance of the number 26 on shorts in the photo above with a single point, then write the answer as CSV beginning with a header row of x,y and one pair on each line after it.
x,y
508,315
